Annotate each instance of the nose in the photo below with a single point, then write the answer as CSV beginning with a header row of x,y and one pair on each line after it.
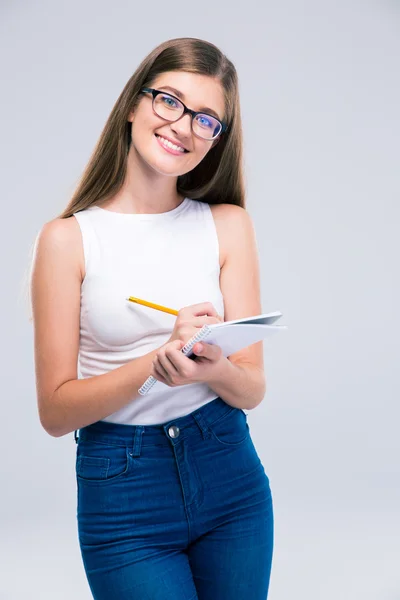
x,y
183,126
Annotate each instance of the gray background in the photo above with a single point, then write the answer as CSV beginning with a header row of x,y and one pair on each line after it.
x,y
320,99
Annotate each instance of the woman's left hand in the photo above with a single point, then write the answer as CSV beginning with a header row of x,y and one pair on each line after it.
x,y
174,368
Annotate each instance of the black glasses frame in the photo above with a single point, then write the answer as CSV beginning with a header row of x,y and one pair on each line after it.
x,y
193,113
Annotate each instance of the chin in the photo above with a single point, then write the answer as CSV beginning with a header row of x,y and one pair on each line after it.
x,y
165,166
162,168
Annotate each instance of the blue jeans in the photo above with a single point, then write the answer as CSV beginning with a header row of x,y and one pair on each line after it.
x,y
176,511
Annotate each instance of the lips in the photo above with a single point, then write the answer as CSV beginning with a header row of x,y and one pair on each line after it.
x,y
172,141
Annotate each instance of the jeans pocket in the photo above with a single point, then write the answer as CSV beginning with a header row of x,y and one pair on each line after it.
x,y
231,429
99,463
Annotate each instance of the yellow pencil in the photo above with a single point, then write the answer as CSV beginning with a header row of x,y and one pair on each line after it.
x,y
152,305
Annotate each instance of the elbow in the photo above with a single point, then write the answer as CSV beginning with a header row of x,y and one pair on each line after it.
x,y
53,431
48,419
254,404
53,427
261,391
48,426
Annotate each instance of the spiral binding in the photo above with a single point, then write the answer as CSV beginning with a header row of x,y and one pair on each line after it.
x,y
198,337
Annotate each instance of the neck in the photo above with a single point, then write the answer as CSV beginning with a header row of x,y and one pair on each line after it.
x,y
144,190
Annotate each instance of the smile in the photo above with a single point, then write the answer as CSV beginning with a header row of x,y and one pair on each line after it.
x,y
169,146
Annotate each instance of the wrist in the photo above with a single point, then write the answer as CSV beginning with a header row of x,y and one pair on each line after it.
x,y
220,372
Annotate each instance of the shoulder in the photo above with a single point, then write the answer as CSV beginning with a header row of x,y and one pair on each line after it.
x,y
231,215
60,233
58,229
228,210
233,223
62,236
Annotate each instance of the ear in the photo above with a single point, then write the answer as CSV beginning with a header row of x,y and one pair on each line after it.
x,y
215,142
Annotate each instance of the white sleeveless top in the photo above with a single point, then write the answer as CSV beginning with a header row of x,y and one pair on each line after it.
x,y
169,258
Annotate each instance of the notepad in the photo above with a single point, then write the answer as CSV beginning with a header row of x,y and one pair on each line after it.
x,y
231,336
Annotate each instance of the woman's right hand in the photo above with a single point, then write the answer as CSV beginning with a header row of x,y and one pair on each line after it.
x,y
191,319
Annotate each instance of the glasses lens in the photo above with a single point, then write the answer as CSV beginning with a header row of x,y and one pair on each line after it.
x,y
206,126
168,107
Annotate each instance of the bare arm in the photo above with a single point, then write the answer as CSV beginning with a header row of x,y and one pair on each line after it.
x,y
65,402
241,381
79,402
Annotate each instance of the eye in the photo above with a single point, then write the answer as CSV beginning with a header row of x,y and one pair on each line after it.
x,y
169,101
206,122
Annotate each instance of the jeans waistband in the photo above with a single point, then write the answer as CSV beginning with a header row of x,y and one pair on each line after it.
x,y
146,435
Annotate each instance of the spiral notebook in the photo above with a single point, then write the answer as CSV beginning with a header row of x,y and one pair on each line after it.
x,y
231,336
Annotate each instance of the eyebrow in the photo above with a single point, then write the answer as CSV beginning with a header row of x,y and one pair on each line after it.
x,y
182,97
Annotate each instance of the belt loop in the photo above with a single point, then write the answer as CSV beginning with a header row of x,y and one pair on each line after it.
x,y
75,436
137,440
205,431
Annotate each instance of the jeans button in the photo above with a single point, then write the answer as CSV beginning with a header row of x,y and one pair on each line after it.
x,y
173,431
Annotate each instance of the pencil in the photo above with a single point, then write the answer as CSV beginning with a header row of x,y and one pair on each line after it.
x,y
152,305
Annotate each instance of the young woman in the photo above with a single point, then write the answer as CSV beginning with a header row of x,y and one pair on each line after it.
x,y
172,499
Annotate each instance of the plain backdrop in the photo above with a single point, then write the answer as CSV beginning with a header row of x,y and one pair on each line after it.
x,y
320,97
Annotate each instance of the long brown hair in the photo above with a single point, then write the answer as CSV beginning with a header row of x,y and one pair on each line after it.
x,y
217,179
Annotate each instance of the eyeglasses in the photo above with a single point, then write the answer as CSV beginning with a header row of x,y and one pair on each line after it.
x,y
168,107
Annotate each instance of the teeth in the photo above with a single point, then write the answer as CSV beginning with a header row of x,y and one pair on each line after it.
x,y
170,145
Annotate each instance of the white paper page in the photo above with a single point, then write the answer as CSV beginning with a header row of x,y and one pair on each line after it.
x,y
232,338
264,319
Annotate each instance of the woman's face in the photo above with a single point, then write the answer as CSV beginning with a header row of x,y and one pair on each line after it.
x,y
197,92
